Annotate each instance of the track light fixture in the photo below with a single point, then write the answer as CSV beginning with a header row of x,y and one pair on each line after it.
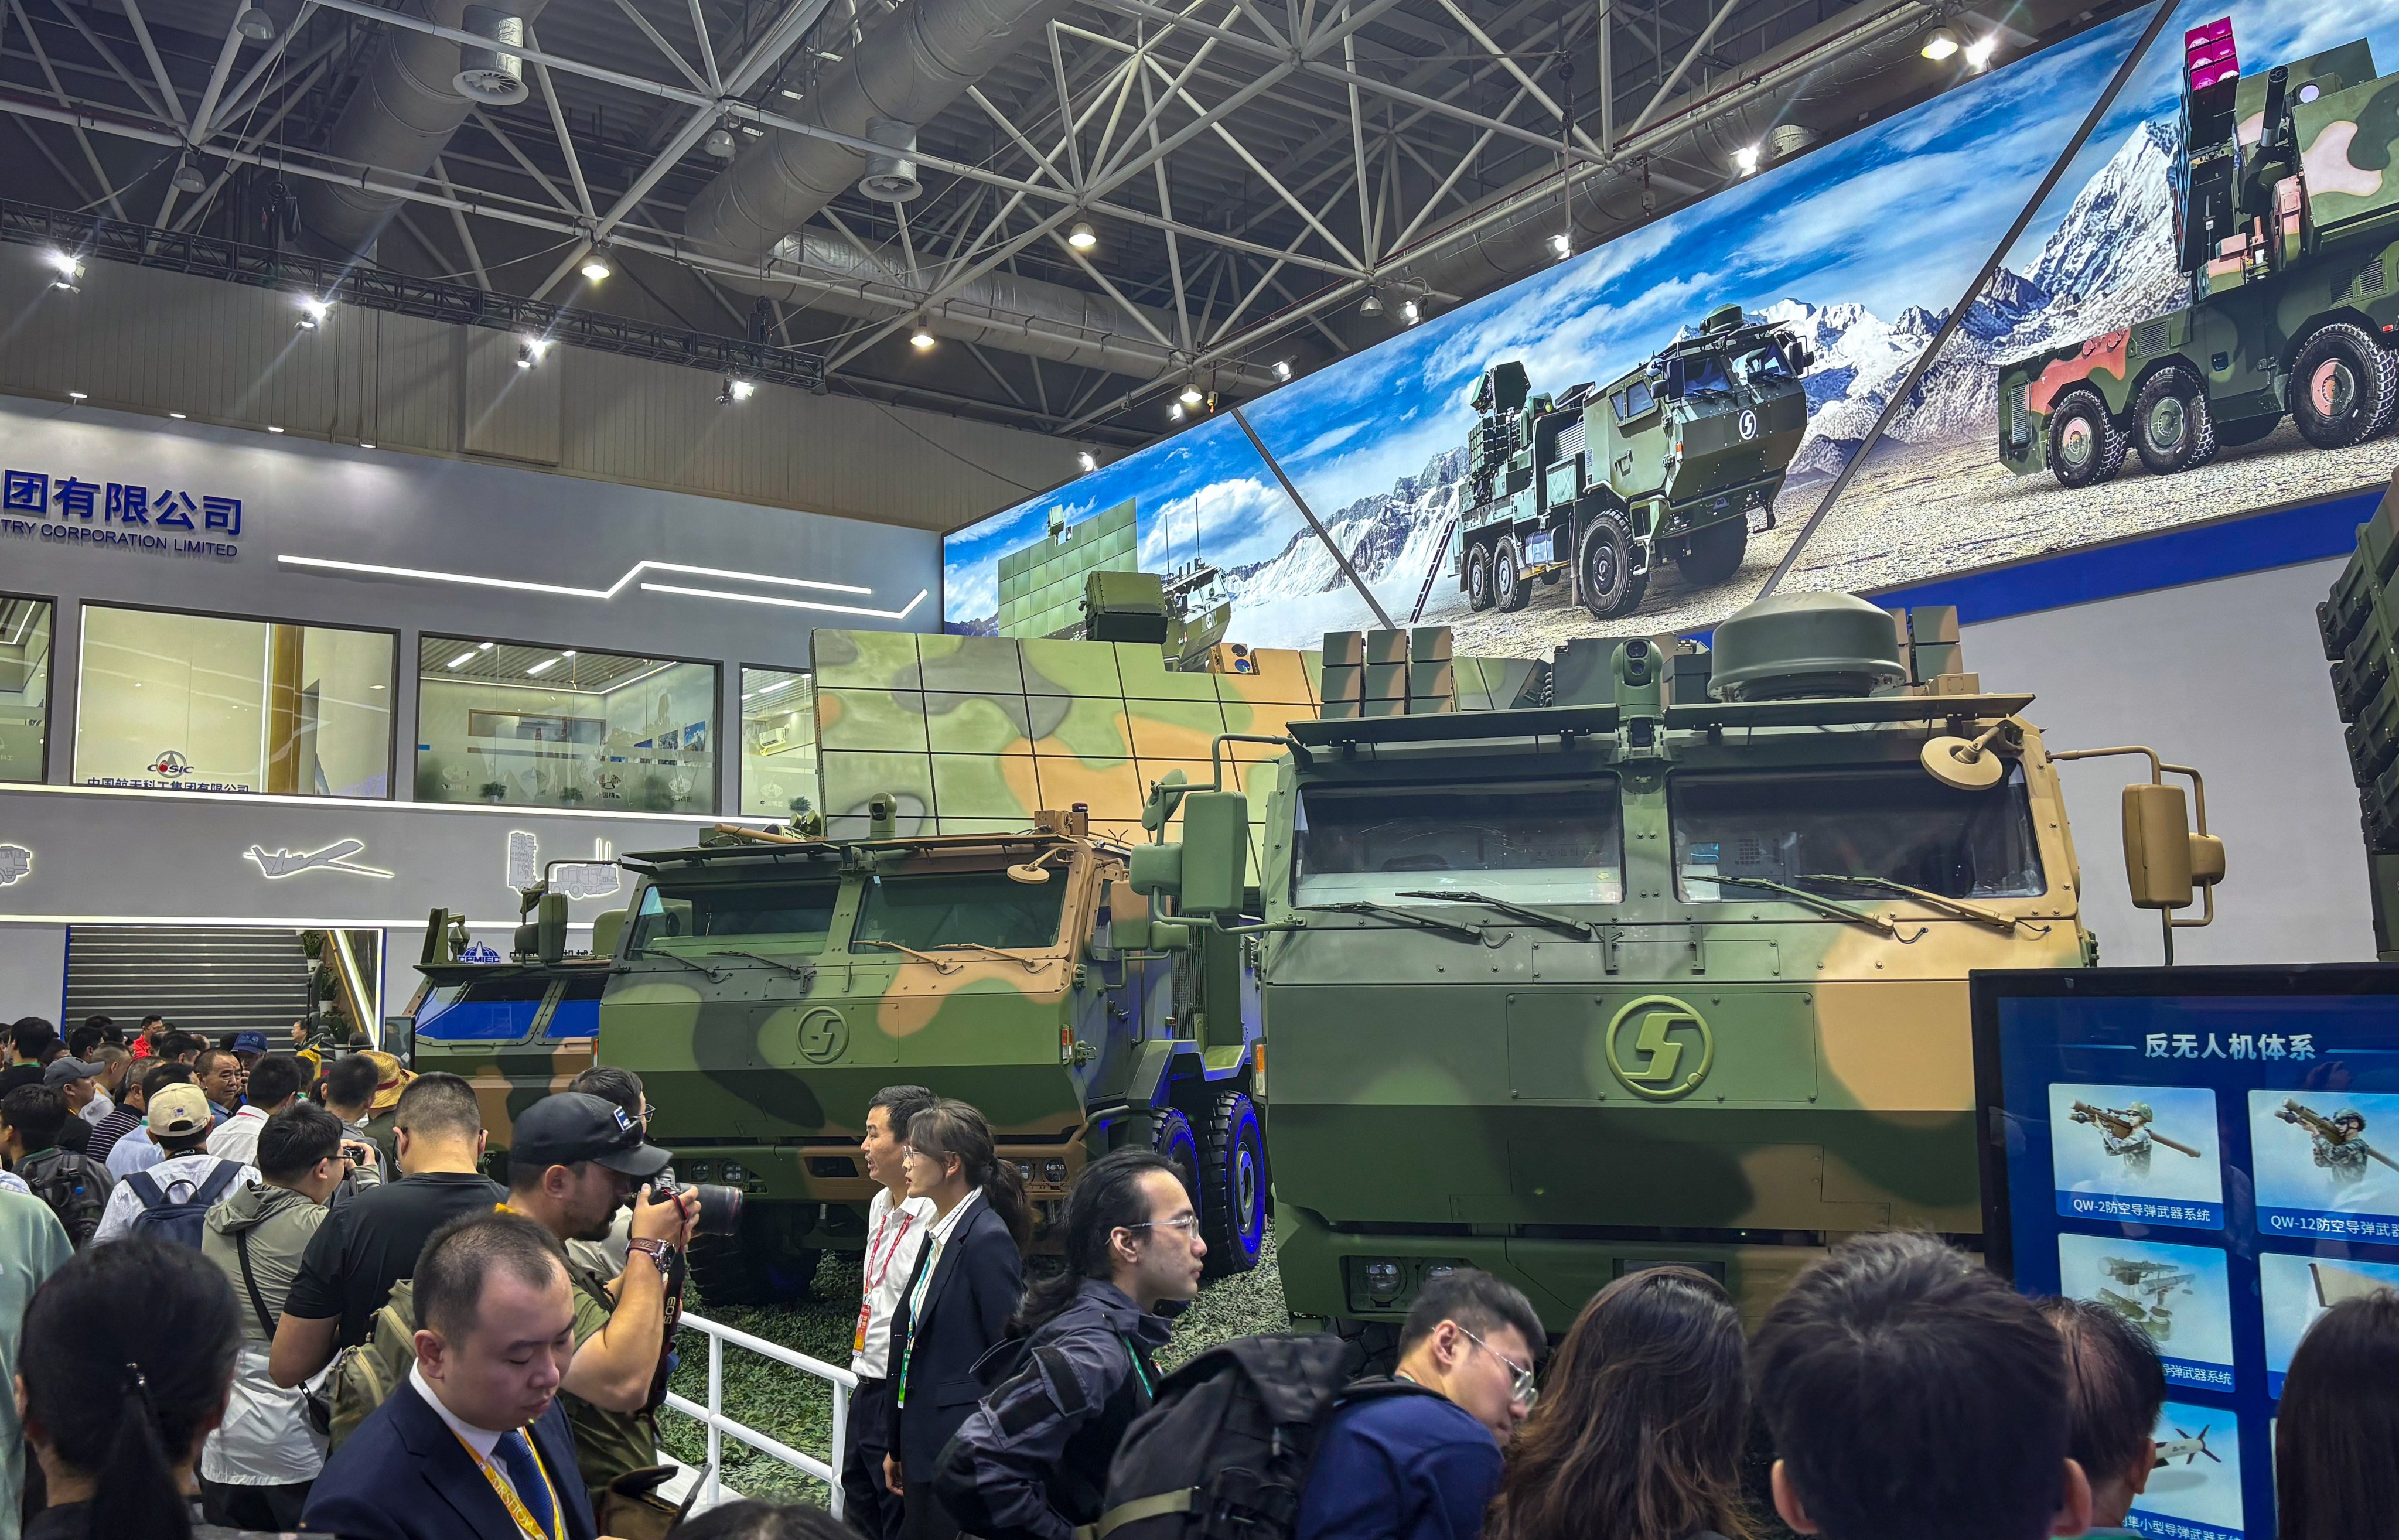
x,y
736,391
68,269
531,351
1084,459
312,313
1561,246
920,339
1282,368
1939,43
1410,313
1082,238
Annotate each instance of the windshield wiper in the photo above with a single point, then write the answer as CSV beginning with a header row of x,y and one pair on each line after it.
x,y
1031,964
715,974
1822,905
1564,924
1938,901
794,970
1406,916
941,964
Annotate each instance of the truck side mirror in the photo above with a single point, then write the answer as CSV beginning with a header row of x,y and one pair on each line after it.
x,y
1215,852
437,938
1164,798
1155,869
2157,846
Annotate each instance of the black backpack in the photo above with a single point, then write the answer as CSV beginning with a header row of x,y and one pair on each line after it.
x,y
1224,1451
182,1222
76,1189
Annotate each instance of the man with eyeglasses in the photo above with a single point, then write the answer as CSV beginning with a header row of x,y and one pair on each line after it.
x,y
1425,1466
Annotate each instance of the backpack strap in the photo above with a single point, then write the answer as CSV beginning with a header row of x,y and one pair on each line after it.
x,y
249,1281
145,1188
1156,1505
227,1173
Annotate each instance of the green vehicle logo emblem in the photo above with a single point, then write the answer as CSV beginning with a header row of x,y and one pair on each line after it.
x,y
1655,1052
823,1035
1748,424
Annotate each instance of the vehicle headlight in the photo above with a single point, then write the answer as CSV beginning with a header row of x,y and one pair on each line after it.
x,y
735,1173
1053,1171
1383,1279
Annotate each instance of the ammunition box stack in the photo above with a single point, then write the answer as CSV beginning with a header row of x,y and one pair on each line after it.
x,y
2360,622
1342,688
1388,673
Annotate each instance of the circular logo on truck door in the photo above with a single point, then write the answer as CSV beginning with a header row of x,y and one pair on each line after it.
x,y
1748,423
824,1036
1659,1047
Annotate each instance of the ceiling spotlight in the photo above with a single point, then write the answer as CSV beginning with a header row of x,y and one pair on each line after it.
x,y
1084,459
1409,313
1082,238
1978,53
255,24
720,141
1939,43
1282,368
1174,412
595,266
1745,159
312,313
1561,246
920,339
68,269
189,178
78,396
735,391
1372,305
1191,397
531,351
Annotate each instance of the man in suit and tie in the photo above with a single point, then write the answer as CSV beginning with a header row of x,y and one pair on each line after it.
x,y
474,1445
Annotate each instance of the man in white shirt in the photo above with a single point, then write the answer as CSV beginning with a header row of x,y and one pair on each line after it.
x,y
895,1232
136,1151
274,1085
186,1173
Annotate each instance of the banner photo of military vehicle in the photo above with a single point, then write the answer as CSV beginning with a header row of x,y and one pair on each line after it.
x,y
2190,324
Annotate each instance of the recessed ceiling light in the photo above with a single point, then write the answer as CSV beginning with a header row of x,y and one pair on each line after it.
x,y
272,429
177,415
467,657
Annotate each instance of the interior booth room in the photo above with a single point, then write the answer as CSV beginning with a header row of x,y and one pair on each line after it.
x,y
239,768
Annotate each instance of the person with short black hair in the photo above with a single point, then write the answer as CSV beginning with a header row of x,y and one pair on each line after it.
x,y
146,1038
1911,1392
183,1048
32,1043
135,1150
752,1519
1425,1466
349,1088
2335,1478
1031,1463
371,1242
255,1471
222,1075
2115,1388
274,1084
474,1442
113,1064
1639,1432
895,1232
86,1038
76,1187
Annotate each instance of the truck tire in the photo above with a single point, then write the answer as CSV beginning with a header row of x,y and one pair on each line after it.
x,y
1509,590
763,1265
1170,1135
2084,448
1478,578
1714,552
2174,428
1604,563
1233,1185
2344,387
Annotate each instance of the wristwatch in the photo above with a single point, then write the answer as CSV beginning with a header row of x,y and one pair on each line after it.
x,y
660,1253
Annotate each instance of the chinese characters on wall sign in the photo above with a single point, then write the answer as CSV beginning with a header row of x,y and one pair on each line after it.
x,y
119,513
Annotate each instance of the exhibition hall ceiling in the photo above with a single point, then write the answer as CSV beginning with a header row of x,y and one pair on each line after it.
x,y
1113,201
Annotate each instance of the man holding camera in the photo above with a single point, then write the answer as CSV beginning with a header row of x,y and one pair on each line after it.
x,y
573,1160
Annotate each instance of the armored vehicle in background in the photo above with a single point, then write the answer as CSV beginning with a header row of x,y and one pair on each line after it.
x,y
2289,237
1667,462
1666,962
2360,623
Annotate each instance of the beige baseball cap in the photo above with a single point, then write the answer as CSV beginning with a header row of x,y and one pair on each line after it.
x,y
179,1111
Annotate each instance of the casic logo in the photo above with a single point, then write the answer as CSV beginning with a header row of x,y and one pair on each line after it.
x,y
1748,424
823,1035
1659,1047
171,764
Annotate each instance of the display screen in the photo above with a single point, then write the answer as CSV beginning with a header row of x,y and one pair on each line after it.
x,y
2213,1152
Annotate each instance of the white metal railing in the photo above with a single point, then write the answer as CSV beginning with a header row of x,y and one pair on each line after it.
x,y
719,1425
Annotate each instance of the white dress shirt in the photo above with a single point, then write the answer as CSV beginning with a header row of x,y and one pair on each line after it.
x,y
895,1233
136,1152
236,1137
100,1106
482,1441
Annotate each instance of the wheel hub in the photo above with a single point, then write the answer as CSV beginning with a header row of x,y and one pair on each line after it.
x,y
2333,389
2075,442
2168,423
1245,1190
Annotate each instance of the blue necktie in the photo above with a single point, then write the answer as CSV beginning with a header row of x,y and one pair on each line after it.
x,y
515,1453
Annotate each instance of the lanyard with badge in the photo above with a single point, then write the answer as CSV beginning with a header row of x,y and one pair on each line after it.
x,y
526,1525
874,1276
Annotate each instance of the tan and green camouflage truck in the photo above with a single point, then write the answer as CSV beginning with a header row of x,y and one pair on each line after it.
x,y
1665,963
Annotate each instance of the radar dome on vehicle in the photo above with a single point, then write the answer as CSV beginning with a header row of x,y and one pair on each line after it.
x,y
1805,644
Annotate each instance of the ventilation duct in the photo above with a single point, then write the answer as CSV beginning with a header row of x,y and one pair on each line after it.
x,y
401,116
488,75
922,58
893,178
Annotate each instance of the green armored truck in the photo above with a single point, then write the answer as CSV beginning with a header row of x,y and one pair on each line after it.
x,y
2289,233
1665,963
1600,484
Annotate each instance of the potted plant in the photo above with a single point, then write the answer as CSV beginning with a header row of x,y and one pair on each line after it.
x,y
571,794
495,790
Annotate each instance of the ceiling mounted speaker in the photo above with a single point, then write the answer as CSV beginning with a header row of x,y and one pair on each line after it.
x,y
891,177
488,76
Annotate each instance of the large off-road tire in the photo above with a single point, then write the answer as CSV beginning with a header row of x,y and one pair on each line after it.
x,y
765,1264
1233,1185
1478,578
2344,387
1170,1135
1603,565
2084,448
1714,552
1509,589
2174,428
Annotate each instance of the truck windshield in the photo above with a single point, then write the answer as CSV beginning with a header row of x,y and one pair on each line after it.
x,y
794,914
930,910
1764,364
487,1010
1698,375
1809,828
1558,843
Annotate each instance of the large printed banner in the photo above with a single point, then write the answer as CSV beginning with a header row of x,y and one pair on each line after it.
x,y
1853,253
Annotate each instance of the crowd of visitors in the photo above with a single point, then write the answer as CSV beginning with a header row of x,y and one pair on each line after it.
x,y
238,1305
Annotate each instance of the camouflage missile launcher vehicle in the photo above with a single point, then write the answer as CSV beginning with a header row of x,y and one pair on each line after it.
x,y
1668,962
1599,485
2289,233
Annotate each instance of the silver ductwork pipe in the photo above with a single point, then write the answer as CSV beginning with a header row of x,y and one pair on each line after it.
x,y
919,61
401,117
1000,310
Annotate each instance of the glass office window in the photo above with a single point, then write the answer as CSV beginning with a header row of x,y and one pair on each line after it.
x,y
553,727
778,743
207,703
24,686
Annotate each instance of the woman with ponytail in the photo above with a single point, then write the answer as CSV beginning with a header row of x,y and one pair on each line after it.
x,y
126,1359
967,1279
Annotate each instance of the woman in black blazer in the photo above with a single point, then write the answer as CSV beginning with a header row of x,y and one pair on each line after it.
x,y
967,1280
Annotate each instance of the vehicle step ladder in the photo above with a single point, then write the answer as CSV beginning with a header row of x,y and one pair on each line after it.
x,y
1434,571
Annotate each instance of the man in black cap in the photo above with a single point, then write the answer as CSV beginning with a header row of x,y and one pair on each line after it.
x,y
573,1160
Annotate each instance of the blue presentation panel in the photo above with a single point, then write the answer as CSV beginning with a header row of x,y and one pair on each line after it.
x,y
2213,1152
